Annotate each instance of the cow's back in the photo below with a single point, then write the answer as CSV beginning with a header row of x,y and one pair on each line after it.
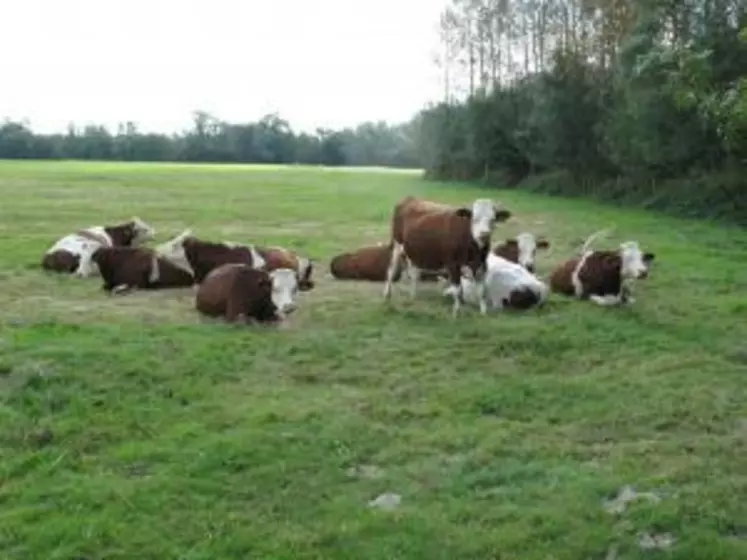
x,y
204,257
277,257
411,208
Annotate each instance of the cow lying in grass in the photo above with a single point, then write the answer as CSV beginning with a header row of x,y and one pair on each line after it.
x,y
604,277
369,263
436,238
509,286
73,253
366,263
199,257
137,268
237,292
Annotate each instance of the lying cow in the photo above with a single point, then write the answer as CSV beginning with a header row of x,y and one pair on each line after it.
x,y
521,250
509,286
367,263
72,254
433,238
128,268
199,257
238,292
604,277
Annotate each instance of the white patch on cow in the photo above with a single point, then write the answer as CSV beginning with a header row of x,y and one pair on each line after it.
x,y
143,231
258,261
284,289
502,278
83,247
578,286
633,265
483,220
527,249
155,270
173,251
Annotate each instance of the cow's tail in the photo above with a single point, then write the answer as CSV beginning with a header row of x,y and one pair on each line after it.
x,y
597,234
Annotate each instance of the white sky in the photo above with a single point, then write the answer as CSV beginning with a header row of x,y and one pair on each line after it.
x,y
316,62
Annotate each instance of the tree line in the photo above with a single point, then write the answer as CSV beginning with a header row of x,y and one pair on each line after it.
x,y
642,101
269,140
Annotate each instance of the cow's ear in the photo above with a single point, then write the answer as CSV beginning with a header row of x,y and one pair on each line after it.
x,y
543,244
501,214
648,257
464,213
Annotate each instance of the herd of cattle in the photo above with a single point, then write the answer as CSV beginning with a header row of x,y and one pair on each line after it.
x,y
429,241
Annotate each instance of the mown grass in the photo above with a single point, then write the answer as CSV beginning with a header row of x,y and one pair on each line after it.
x,y
132,429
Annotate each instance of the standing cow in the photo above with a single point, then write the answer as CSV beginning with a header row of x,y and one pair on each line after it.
x,y
436,238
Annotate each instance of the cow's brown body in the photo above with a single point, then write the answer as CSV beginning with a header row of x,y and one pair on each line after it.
x,y
126,268
367,263
237,292
599,275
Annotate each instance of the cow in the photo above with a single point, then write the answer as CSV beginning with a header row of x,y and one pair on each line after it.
x,y
128,268
434,238
72,254
509,286
366,263
237,292
199,257
602,276
521,250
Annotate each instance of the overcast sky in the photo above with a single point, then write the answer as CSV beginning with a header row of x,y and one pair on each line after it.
x,y
316,62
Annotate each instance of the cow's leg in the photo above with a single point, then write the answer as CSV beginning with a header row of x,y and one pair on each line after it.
x,y
626,294
607,300
85,266
414,273
120,289
482,295
397,252
455,288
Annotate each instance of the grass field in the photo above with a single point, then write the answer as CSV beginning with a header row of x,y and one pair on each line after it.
x,y
132,429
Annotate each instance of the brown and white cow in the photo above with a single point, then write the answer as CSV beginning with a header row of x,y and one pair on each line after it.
x,y
129,268
237,292
199,257
72,254
521,250
603,277
436,238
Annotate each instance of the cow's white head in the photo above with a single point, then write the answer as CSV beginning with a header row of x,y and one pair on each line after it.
x,y
141,232
284,290
635,263
527,249
173,251
483,216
